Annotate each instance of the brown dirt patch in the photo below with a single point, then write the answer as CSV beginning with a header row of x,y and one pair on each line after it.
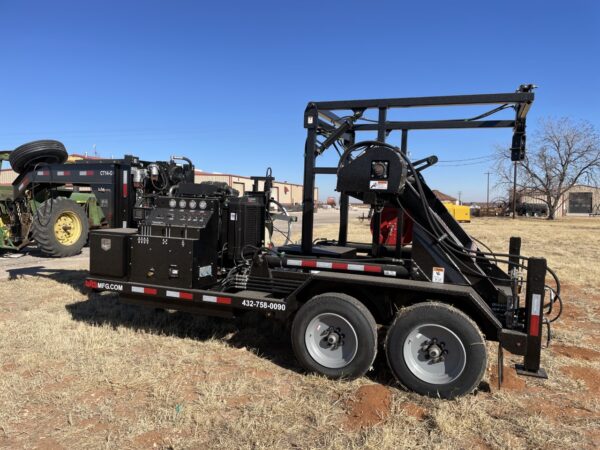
x,y
587,375
239,401
511,381
413,410
576,352
150,439
371,405
48,444
558,413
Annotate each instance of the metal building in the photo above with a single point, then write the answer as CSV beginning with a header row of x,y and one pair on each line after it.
x,y
580,200
288,194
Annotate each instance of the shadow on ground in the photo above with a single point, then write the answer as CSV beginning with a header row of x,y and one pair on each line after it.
x,y
72,277
269,338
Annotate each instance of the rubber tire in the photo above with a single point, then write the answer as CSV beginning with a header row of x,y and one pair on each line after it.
x,y
46,151
43,227
359,317
467,331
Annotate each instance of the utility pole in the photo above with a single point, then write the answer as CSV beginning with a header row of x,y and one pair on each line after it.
x,y
487,202
459,195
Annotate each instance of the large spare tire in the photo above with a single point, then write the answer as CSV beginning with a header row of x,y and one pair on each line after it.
x,y
28,155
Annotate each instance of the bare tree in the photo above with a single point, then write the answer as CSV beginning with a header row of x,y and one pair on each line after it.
x,y
563,153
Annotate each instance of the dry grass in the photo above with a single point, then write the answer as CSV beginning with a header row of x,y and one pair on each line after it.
x,y
89,372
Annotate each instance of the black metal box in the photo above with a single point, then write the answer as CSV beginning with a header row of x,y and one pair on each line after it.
x,y
109,255
164,261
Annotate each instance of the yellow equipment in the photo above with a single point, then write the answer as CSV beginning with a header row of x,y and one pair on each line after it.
x,y
461,213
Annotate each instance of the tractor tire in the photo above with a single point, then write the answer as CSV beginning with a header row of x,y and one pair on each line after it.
x,y
28,155
335,335
60,227
436,350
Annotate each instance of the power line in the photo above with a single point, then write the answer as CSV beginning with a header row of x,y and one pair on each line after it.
x,y
465,164
467,159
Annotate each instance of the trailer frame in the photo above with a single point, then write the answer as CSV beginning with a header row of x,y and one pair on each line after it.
x,y
383,279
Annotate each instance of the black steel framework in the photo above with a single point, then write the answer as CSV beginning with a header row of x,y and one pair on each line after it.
x,y
320,120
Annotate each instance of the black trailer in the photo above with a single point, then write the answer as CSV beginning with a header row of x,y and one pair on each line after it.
x,y
434,295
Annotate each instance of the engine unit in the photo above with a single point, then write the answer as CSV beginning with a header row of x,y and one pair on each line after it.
x,y
183,240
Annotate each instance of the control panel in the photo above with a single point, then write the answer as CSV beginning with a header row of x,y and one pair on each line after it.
x,y
181,212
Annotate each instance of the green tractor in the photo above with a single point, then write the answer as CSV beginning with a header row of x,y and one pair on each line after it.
x,y
58,220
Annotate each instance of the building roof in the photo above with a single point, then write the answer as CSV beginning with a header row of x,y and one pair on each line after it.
x,y
443,197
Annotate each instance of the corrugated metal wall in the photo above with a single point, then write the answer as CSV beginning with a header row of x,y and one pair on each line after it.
x,y
285,193
563,207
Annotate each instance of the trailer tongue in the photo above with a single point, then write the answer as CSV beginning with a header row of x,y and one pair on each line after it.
x,y
436,292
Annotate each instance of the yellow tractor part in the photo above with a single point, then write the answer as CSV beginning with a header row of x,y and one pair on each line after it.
x,y
68,228
461,213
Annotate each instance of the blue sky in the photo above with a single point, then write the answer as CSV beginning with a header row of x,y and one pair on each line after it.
x,y
226,83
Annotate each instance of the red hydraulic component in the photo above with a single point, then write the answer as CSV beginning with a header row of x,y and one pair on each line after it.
x,y
388,231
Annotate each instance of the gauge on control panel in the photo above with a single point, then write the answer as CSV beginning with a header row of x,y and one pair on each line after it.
x,y
202,204
172,203
182,204
192,204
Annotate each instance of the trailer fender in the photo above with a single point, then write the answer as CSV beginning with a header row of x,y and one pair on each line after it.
x,y
404,292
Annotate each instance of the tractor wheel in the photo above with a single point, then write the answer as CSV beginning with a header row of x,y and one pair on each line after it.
x,y
434,349
28,155
60,227
335,335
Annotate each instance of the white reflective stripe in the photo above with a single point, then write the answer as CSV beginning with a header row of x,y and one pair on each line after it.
x,y
60,173
173,294
294,262
536,302
324,265
124,224
124,177
137,289
83,172
389,273
209,298
356,267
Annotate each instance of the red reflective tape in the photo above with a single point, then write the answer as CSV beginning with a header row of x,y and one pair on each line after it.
x,y
339,266
534,325
150,291
375,269
24,184
91,284
125,182
186,295
224,300
309,263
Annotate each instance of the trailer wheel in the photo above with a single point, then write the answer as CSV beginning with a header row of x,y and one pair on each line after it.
x,y
335,335
60,227
434,349
46,151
